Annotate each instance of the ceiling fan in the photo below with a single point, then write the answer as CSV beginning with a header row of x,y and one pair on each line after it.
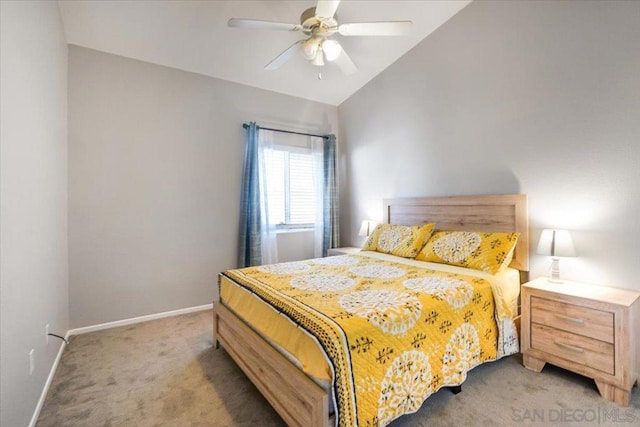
x,y
320,24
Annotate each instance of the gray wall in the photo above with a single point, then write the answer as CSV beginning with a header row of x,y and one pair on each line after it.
x,y
33,195
295,245
541,98
155,161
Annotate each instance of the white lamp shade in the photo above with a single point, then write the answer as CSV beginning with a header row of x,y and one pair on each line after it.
x,y
556,243
310,48
367,228
331,49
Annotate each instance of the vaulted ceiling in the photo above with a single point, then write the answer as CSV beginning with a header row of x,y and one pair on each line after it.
x,y
194,36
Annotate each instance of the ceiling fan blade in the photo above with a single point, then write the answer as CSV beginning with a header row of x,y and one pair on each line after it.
x,y
255,24
284,56
326,8
346,64
392,28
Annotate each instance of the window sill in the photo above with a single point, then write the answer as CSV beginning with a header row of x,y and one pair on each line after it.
x,y
294,230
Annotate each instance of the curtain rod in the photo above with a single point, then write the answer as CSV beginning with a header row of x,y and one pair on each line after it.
x,y
244,125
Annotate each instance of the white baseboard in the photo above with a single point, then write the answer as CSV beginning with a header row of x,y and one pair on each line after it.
x,y
117,323
47,384
84,330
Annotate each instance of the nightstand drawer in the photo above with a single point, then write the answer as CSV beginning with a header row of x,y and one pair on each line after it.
x,y
574,348
573,318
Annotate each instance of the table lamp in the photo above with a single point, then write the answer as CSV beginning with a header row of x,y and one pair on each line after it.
x,y
556,244
367,228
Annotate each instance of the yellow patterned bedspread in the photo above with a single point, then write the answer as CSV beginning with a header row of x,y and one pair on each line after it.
x,y
394,333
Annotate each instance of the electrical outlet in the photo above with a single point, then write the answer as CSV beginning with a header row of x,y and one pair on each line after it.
x,y
32,363
46,333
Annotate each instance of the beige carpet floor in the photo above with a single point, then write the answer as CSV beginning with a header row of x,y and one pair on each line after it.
x,y
166,373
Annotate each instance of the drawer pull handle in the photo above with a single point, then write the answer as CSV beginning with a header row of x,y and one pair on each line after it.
x,y
569,347
570,319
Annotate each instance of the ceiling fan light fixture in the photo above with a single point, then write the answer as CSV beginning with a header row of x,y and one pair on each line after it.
x,y
310,48
318,61
331,49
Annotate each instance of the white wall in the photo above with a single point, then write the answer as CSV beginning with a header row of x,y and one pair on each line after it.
x,y
155,164
541,98
33,213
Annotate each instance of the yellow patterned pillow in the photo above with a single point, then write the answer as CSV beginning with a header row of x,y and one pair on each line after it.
x,y
400,240
488,252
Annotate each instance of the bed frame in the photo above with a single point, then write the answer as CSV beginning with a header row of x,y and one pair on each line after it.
x,y
300,401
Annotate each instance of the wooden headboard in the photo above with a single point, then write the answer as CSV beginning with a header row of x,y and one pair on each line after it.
x,y
504,213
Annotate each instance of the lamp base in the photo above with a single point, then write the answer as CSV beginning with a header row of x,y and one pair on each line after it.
x,y
555,271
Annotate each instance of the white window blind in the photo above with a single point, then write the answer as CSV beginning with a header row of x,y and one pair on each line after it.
x,y
291,190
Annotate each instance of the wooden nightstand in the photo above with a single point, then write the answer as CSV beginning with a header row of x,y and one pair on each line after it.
x,y
343,251
590,330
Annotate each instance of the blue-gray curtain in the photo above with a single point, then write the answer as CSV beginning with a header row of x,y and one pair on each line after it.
x,y
330,211
249,251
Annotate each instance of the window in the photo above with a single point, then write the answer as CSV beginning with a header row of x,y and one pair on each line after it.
x,y
291,187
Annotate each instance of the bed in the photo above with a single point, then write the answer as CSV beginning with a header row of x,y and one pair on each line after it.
x,y
307,392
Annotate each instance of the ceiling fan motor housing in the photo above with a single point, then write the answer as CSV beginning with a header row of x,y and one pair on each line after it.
x,y
312,24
